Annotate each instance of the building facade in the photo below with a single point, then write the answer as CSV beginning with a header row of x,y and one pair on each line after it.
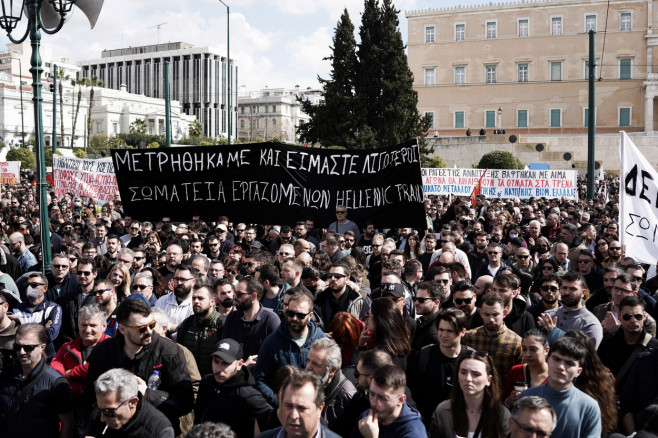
x,y
523,66
273,113
198,78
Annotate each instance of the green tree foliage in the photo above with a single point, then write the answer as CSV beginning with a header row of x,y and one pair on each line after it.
x,y
61,77
48,156
93,82
80,153
369,99
139,126
153,145
195,129
25,156
436,162
499,160
134,139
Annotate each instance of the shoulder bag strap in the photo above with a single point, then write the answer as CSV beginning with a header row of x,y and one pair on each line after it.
x,y
631,359
336,390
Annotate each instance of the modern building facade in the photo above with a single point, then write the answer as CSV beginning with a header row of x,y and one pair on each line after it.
x,y
273,113
198,78
522,66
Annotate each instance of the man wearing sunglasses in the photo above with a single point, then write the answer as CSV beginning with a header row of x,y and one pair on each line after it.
x,y
122,410
428,301
83,295
464,299
339,296
532,416
343,224
140,350
624,346
35,400
288,345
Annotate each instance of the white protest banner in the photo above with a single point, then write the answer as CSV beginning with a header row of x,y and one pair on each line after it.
x,y
502,183
638,204
82,177
10,172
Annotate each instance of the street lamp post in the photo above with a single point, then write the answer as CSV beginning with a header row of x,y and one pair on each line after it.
x,y
20,86
228,68
49,17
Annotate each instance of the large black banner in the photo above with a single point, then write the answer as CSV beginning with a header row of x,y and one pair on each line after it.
x,y
272,183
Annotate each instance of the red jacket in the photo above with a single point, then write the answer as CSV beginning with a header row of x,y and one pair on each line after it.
x,y
69,357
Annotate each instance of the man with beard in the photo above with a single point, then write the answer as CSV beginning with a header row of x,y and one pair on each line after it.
x,y
16,245
71,303
201,331
552,228
35,400
464,299
250,323
224,296
61,282
478,256
365,241
174,256
549,290
139,260
140,350
501,343
428,302
610,313
430,247
106,297
340,296
516,318
604,294
495,264
288,345
570,237
214,251
255,259
301,232
325,361
228,395
573,315
178,304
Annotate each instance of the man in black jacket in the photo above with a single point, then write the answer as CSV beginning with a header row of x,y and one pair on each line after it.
x,y
139,350
123,412
228,394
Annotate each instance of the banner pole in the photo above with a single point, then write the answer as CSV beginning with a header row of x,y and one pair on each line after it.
x,y
621,194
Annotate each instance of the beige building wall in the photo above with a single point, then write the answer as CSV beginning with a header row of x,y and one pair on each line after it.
x,y
556,82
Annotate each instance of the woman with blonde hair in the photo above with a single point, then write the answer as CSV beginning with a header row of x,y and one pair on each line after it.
x,y
119,275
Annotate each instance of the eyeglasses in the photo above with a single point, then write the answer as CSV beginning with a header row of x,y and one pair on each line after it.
x,y
335,275
60,266
290,314
139,286
374,395
628,316
73,260
214,244
101,291
493,252
26,347
463,300
622,290
182,280
532,431
134,228
443,280
341,211
522,256
138,259
36,284
615,248
549,288
240,230
422,300
603,244
638,278
84,273
282,253
358,374
547,268
583,262
143,328
230,272
111,412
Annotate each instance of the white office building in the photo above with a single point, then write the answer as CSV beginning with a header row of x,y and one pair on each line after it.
x,y
198,78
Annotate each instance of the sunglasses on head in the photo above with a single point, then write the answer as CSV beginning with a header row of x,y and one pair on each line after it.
x,y
143,328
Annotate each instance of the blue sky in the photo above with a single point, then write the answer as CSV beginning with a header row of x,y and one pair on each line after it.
x,y
276,43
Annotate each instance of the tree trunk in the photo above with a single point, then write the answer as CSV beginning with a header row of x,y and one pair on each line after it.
x,y
75,117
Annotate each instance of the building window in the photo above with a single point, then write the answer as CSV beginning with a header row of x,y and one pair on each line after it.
x,y
459,119
273,108
524,28
431,116
556,118
490,119
624,117
241,124
556,26
523,72
273,122
556,71
430,77
491,74
460,75
460,32
586,116
590,23
522,118
625,22
624,69
491,30
429,34
586,69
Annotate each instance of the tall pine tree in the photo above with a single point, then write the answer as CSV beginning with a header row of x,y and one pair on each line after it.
x,y
333,122
370,101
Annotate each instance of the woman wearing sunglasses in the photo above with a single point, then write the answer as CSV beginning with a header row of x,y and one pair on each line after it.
x,y
474,408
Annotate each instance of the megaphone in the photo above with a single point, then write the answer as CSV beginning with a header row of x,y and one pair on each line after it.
x,y
50,17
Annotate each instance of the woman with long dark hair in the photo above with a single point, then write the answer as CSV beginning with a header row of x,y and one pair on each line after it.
x,y
534,348
412,249
386,329
474,408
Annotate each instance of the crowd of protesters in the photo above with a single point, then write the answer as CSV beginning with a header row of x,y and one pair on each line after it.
x,y
503,317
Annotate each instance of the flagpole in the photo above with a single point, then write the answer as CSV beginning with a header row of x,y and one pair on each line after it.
x,y
621,196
